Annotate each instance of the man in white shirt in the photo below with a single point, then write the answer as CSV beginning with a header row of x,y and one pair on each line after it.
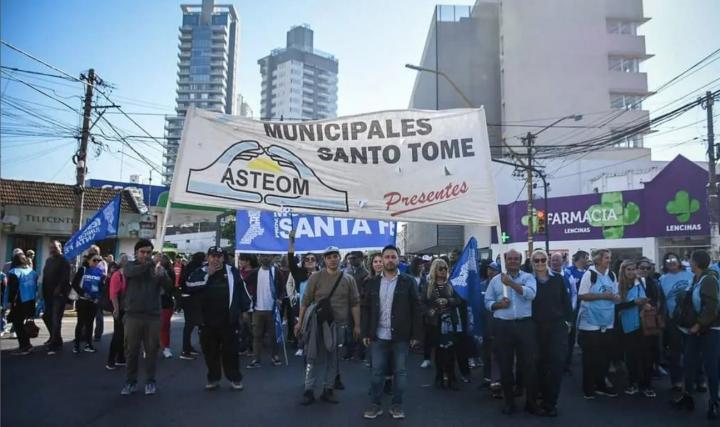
x,y
266,289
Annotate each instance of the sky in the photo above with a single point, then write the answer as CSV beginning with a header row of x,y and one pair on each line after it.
x,y
133,46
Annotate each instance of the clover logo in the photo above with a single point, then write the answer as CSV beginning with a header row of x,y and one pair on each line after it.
x,y
683,206
613,215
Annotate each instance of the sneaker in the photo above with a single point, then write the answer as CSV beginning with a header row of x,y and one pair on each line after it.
x,y
76,348
276,361
299,353
338,384
397,412
649,393
52,352
110,366
372,412
128,389
150,388
89,349
308,398
631,390
212,385
253,364
328,396
605,392
185,355
237,385
167,354
119,363
23,351
426,364
194,352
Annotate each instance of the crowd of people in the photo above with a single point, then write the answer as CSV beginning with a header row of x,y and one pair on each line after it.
x,y
633,324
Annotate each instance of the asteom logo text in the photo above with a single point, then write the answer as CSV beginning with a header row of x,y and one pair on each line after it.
x,y
249,172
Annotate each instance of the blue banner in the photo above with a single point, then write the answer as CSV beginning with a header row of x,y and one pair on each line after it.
x,y
268,232
104,224
465,281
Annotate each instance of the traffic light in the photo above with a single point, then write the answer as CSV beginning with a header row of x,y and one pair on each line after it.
x,y
540,215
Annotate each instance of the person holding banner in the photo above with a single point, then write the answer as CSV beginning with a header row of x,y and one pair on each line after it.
x,y
509,296
267,289
552,315
22,290
329,293
222,297
87,283
391,324
55,289
144,282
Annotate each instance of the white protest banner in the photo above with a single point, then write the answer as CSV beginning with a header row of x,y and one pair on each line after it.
x,y
405,165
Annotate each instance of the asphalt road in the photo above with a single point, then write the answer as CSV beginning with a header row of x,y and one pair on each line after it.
x,y
77,390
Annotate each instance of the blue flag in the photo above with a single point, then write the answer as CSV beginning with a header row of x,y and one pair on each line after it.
x,y
465,281
102,225
267,232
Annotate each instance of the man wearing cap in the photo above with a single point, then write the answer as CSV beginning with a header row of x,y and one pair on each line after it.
x,y
344,301
144,281
267,288
222,297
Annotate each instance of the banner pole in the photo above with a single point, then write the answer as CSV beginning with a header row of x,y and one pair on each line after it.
x,y
166,214
501,251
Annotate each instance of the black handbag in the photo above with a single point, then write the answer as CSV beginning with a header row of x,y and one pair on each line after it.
x,y
684,314
324,311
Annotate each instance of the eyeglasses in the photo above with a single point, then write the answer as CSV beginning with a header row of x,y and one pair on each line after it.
x,y
540,260
96,260
442,268
310,259
644,268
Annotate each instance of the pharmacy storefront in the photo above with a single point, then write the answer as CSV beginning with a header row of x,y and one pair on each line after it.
x,y
668,215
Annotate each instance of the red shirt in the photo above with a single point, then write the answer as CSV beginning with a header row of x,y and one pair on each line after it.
x,y
117,285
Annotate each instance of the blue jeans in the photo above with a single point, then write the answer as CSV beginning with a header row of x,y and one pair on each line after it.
x,y
381,351
707,345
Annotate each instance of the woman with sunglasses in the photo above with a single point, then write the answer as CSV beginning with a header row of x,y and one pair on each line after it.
x,y
636,347
300,274
552,314
87,283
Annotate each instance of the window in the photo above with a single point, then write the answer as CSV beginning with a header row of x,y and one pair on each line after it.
x,y
220,19
191,19
632,141
616,26
624,65
628,102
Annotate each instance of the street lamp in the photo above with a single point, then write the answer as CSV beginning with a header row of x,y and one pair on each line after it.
x,y
445,76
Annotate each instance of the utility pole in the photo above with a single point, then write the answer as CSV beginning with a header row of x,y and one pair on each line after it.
x,y
529,140
713,202
81,156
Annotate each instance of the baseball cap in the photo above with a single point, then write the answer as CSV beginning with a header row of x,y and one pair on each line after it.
x,y
426,258
17,251
494,265
330,250
216,250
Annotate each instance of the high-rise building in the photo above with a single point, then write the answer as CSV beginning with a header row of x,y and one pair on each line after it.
x,y
530,64
207,69
299,82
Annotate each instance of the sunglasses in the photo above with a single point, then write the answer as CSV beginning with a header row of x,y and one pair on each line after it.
x,y
310,259
442,268
96,260
540,260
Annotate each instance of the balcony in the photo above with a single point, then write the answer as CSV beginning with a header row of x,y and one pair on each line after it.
x,y
629,83
627,45
631,10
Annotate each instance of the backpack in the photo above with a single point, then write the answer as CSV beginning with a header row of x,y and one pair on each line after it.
x,y
684,314
594,276
324,311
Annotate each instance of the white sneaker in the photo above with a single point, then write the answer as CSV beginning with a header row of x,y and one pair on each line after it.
x,y
299,353
425,364
167,354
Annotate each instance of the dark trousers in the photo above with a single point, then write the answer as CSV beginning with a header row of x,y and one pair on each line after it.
x,y
219,347
18,314
86,312
99,321
595,347
552,340
572,336
192,314
445,365
517,337
638,358
117,344
428,342
673,349
705,348
464,351
52,317
487,356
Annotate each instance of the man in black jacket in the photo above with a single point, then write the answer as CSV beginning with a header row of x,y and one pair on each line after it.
x,y
222,297
55,289
391,323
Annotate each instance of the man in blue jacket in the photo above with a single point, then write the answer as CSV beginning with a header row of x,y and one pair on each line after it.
x,y
222,297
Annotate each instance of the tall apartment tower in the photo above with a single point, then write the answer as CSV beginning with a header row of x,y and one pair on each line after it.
x,y
530,64
299,82
207,69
